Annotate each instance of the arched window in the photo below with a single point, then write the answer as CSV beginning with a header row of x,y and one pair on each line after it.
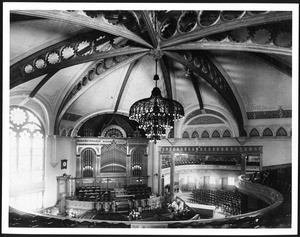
x,y
281,132
254,133
137,162
215,134
226,134
195,134
205,134
27,148
267,132
185,135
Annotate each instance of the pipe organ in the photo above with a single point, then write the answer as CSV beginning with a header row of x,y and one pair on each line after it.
x,y
111,163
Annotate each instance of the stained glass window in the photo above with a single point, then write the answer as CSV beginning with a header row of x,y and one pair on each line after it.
x,y
185,135
27,145
267,132
254,133
226,134
195,134
281,132
205,135
215,134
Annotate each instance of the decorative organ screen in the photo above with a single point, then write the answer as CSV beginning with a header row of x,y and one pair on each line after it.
x,y
113,158
88,159
137,162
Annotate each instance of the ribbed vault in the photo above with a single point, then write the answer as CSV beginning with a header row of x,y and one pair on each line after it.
x,y
117,40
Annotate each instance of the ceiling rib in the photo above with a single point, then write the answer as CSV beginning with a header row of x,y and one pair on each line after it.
x,y
42,82
63,109
48,77
277,64
150,28
228,97
196,87
233,46
78,60
123,85
80,19
226,26
166,74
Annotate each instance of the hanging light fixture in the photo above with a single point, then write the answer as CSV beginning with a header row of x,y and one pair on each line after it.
x,y
156,114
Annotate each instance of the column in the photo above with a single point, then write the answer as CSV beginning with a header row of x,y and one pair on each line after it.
x,y
78,166
224,182
128,169
70,187
162,185
172,169
52,142
243,163
206,181
197,183
98,163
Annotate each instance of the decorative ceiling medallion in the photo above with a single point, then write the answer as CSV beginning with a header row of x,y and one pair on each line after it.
x,y
40,63
261,36
53,58
208,18
100,68
239,35
187,21
168,28
67,52
284,39
28,68
83,45
91,75
109,62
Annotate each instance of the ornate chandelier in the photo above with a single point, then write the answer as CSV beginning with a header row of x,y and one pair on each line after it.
x,y
156,114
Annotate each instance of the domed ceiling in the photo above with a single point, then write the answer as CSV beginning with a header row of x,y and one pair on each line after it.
x,y
82,64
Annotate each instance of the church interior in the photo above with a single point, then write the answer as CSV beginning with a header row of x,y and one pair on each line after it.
x,y
150,118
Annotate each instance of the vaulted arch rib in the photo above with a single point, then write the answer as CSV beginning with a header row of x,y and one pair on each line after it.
x,y
232,46
81,19
151,30
68,100
17,79
225,91
123,85
166,75
220,27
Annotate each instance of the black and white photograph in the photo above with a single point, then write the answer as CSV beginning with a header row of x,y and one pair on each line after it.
x,y
119,118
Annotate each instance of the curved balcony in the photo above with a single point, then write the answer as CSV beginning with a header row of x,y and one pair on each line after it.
x,y
246,220
264,193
